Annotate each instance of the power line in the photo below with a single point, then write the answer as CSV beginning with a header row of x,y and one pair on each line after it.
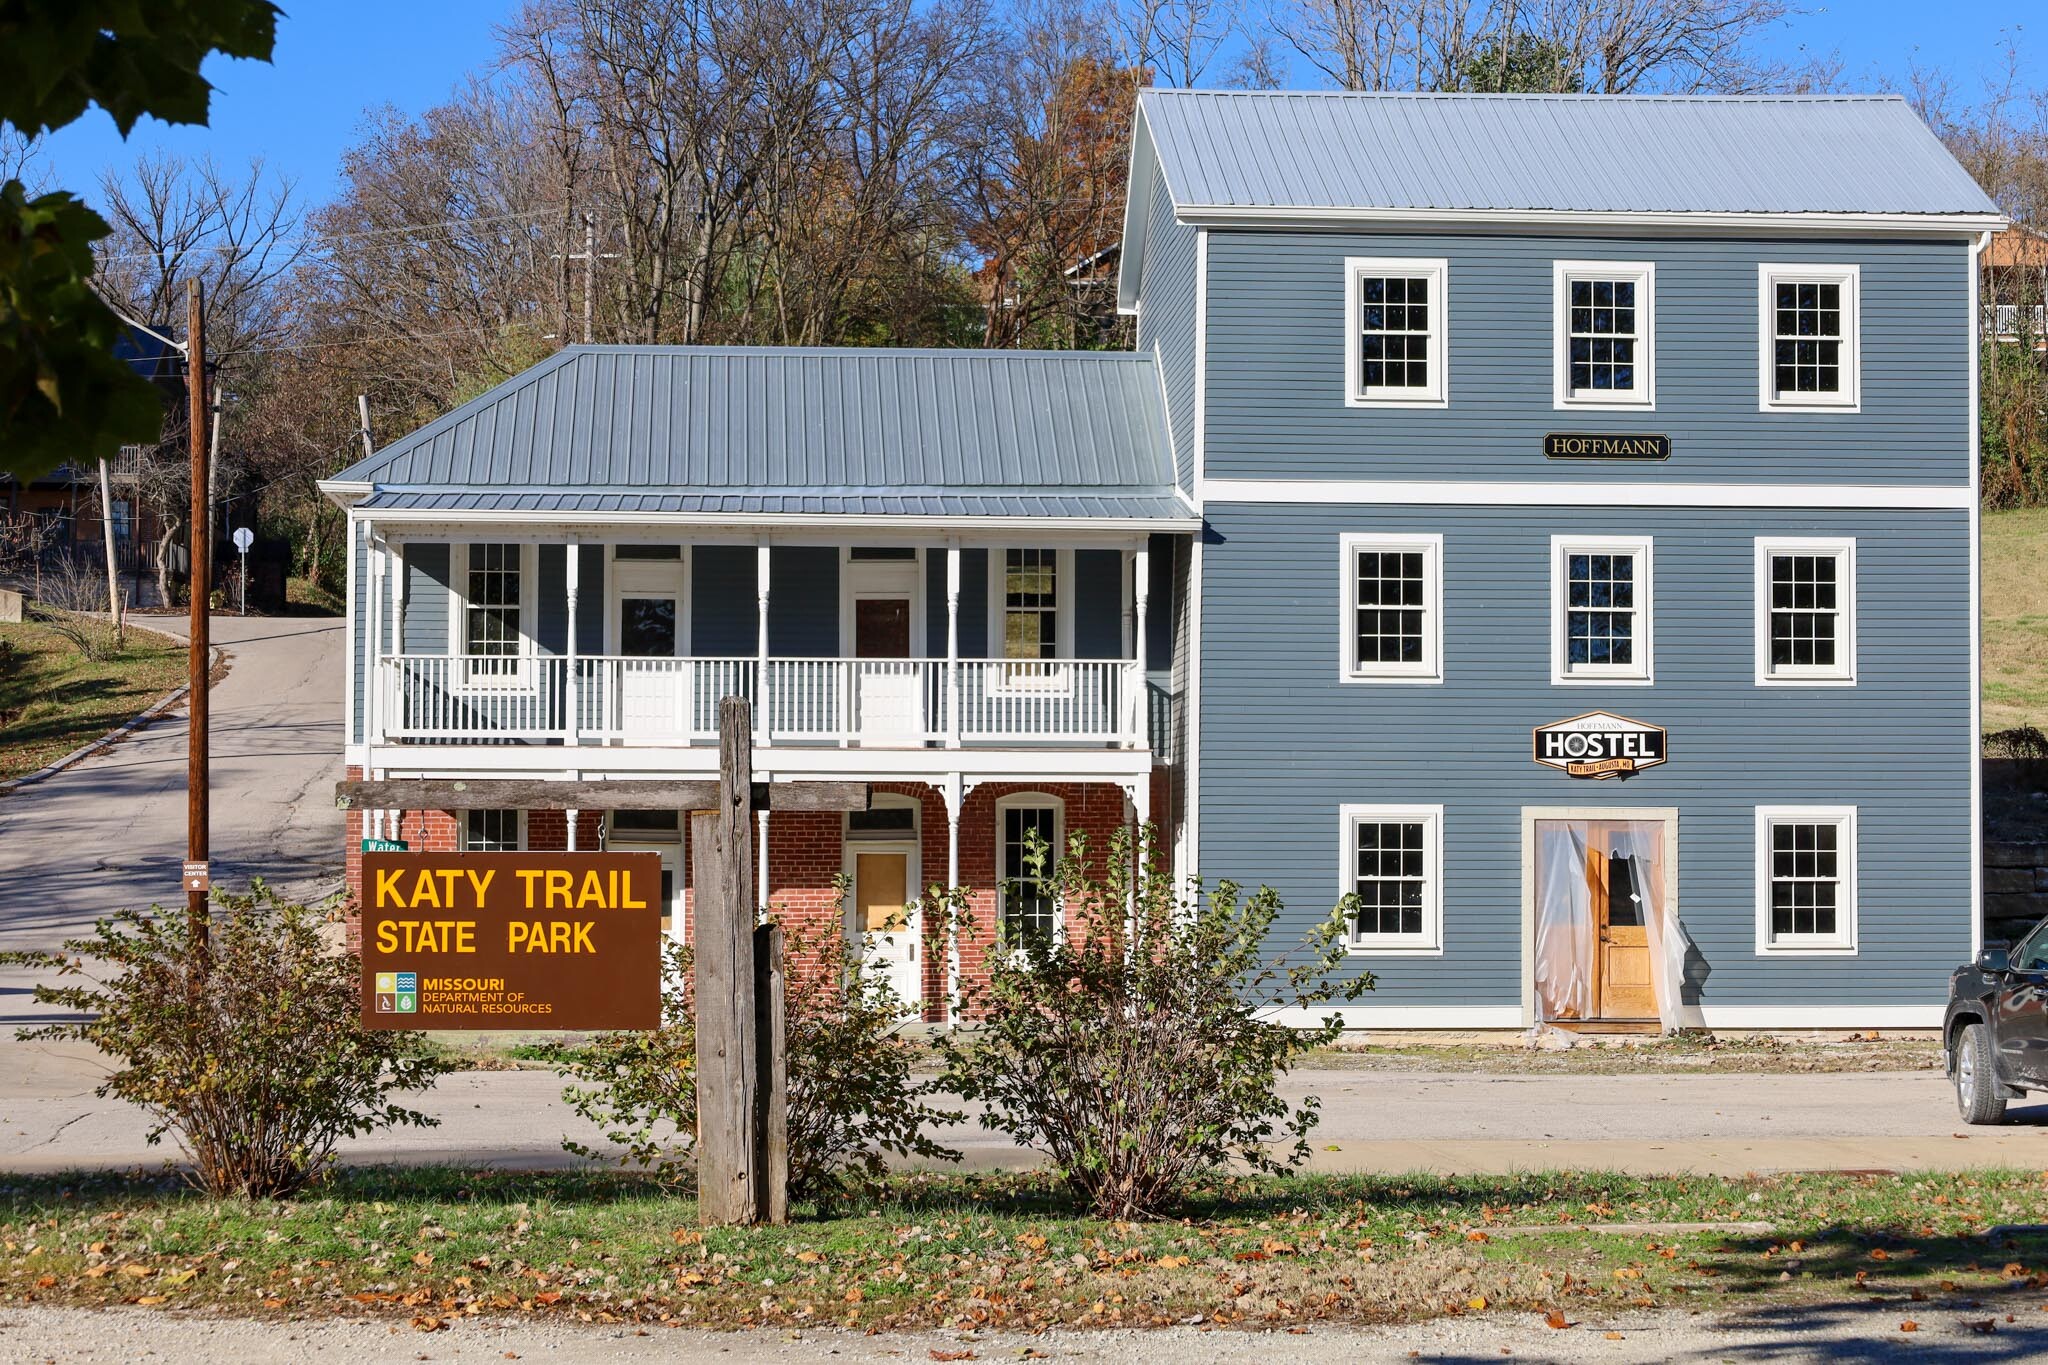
x,y
315,238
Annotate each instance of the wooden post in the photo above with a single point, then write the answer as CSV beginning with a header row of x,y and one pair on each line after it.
x,y
198,663
771,1048
729,1179
113,564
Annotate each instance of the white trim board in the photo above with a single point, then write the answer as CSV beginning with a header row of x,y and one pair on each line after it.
x,y
1821,1016
1575,492
1572,220
1715,1016
1403,1016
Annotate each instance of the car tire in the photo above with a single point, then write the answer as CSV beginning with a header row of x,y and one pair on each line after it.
x,y
1979,1096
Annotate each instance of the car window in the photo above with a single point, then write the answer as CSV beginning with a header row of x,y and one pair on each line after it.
x,y
2032,954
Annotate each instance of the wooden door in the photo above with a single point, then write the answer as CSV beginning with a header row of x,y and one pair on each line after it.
x,y
1622,985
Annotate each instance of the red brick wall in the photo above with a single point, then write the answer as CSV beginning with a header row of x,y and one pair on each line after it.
x,y
806,852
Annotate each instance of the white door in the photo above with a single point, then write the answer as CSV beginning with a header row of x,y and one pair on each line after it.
x,y
886,918
652,687
886,690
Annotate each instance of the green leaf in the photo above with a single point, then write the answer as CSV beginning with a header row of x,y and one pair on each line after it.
x,y
130,57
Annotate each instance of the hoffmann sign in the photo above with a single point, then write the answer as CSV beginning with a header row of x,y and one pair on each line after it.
x,y
1600,744
512,940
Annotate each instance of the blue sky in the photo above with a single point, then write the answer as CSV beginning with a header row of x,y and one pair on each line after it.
x,y
337,58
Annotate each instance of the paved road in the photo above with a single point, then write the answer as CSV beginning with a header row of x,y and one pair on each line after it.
x,y
1647,1124
110,832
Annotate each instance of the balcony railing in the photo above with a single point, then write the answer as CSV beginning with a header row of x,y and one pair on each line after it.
x,y
872,703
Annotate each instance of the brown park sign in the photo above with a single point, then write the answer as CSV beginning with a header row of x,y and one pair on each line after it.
x,y
511,940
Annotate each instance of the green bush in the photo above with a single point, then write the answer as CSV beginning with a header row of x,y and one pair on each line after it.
x,y
854,1096
1134,1048
252,1052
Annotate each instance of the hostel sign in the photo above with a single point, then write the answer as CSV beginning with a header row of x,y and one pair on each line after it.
x,y
1600,744
511,940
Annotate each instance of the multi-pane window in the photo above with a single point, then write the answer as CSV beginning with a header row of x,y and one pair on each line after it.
x,y
1809,336
490,605
1029,913
1807,883
490,831
1392,626
1392,867
1806,596
1605,315
1031,601
1395,341
1602,592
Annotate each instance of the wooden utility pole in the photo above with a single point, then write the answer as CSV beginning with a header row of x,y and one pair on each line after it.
x,y
198,880
363,411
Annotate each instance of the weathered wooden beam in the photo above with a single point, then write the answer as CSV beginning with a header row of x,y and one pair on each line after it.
x,y
539,793
771,1098
729,1188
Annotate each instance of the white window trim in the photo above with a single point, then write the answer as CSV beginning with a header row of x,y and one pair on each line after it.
x,y
1843,672
1842,943
1032,800
462,830
1349,669
1641,398
1430,942
1850,277
1641,673
521,675
1437,394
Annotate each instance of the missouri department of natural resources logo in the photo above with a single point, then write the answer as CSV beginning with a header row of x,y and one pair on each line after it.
x,y
398,992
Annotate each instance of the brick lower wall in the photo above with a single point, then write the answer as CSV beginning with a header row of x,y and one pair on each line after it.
x,y
807,854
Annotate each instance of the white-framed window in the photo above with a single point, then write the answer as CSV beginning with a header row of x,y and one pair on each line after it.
x,y
1600,609
1805,611
1809,338
1031,616
1390,616
1396,318
490,622
1391,858
493,831
1806,879
1026,909
1605,333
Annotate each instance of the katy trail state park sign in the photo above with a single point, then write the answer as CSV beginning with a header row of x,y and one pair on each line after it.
x,y
1601,744
511,940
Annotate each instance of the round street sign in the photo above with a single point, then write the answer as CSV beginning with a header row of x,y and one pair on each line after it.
x,y
244,538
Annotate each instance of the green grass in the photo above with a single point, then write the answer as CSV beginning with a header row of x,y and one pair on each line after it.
x,y
2016,618
302,598
52,700
1009,1250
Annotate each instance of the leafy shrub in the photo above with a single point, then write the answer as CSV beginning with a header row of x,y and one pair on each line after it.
x,y
258,1063
854,1096
1134,1047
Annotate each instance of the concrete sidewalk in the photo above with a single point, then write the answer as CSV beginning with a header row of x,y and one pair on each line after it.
x,y
1453,1124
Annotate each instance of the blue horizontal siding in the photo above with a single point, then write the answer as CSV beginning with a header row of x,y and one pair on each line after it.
x,y
1276,380
1284,743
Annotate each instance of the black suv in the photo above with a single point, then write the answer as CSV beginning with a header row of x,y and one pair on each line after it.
x,y
1995,1036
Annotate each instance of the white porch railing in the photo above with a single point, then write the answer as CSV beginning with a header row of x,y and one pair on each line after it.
x,y
885,703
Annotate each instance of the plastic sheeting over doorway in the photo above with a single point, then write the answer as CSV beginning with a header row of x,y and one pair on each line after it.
x,y
1582,865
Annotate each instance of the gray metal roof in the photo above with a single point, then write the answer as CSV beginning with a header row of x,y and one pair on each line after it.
x,y
1093,504
753,429
1564,153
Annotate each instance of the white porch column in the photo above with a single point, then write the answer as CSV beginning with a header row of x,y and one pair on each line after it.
x,y
762,560
952,644
373,635
572,828
955,793
573,691
761,873
1141,588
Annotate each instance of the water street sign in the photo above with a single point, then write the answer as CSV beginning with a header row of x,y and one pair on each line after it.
x,y
1601,744
511,940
